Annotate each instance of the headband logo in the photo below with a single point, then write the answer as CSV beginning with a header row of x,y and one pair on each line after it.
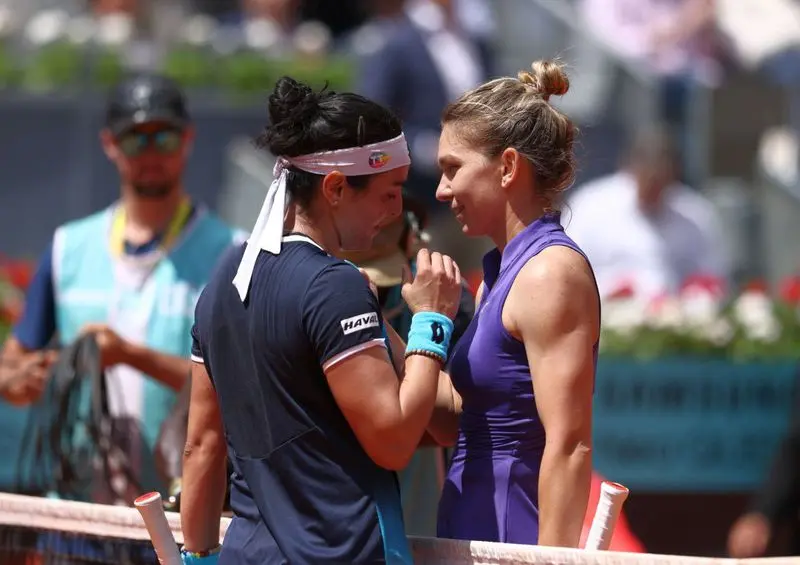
x,y
378,159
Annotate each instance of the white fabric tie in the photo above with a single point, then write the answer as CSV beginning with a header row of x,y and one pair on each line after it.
x,y
356,161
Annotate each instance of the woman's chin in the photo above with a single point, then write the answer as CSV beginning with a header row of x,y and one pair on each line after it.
x,y
469,230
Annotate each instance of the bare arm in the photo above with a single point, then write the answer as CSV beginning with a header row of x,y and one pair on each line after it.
x,y
398,354
559,333
167,369
443,427
23,372
387,414
398,348
204,466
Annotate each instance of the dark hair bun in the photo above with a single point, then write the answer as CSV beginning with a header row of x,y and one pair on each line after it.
x,y
292,106
304,121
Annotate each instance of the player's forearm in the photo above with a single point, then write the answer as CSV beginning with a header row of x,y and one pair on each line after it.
x,y
397,348
169,370
443,425
416,398
203,489
442,428
564,482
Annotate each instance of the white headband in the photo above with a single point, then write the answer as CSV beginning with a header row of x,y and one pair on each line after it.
x,y
355,161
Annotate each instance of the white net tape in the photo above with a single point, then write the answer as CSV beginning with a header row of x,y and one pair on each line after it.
x,y
126,523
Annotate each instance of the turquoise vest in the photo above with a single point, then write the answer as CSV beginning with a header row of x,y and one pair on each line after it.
x,y
88,288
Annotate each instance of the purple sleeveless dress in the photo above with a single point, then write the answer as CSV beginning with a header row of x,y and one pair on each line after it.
x,y
491,491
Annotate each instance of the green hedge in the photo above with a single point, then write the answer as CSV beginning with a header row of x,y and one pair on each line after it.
x,y
63,65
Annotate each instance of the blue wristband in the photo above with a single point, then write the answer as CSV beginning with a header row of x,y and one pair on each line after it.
x,y
204,558
430,334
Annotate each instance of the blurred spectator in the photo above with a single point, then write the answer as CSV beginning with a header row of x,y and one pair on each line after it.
x,y
222,10
777,505
282,26
340,16
477,18
764,35
423,59
129,275
270,23
677,41
641,227
43,21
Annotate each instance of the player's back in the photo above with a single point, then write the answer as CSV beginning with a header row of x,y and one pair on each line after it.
x,y
303,490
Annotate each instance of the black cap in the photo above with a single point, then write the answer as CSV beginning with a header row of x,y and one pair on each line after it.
x,y
145,98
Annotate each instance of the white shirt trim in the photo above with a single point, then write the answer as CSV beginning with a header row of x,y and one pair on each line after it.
x,y
352,351
56,260
297,237
197,359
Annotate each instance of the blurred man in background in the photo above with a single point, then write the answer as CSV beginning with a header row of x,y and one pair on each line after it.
x,y
642,228
677,41
129,275
424,58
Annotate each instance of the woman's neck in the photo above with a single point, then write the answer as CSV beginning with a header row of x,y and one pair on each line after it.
x,y
298,222
517,218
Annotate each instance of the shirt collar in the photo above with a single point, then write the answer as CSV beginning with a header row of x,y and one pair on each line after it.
x,y
494,262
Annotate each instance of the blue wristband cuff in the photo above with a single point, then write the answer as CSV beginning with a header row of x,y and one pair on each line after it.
x,y
430,334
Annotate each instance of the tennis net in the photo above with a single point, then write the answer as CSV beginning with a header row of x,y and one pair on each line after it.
x,y
37,531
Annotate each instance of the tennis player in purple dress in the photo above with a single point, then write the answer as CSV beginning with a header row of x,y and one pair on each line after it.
x,y
517,398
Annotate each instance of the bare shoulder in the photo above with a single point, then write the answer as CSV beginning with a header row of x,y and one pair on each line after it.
x,y
557,265
554,291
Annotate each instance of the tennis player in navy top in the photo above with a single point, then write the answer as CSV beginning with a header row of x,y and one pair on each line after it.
x,y
319,401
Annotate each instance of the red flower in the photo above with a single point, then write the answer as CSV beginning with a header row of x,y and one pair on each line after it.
x,y
703,283
757,285
790,290
10,312
657,303
623,290
18,273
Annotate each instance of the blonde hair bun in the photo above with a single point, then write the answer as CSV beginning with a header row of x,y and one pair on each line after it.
x,y
547,77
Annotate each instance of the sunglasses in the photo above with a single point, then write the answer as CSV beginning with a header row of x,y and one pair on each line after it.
x,y
164,142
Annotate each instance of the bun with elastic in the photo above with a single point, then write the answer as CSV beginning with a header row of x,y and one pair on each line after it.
x,y
547,77
292,106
